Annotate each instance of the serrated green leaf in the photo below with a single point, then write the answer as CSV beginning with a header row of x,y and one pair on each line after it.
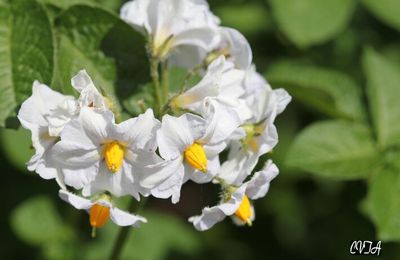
x,y
382,204
385,10
26,52
383,85
337,149
36,221
309,22
110,50
331,92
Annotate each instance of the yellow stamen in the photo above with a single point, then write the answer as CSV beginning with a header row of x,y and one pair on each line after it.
x,y
196,157
98,216
114,155
244,212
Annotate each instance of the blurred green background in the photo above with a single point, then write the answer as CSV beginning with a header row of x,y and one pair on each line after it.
x,y
340,59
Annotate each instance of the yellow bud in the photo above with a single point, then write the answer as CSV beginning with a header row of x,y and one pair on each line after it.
x,y
98,216
196,157
114,155
244,212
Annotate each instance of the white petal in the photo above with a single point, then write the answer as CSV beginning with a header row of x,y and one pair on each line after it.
x,y
283,99
118,183
41,141
61,115
43,99
90,96
95,124
268,139
177,133
46,167
123,218
201,177
135,13
166,183
81,81
238,166
46,172
140,131
254,82
258,186
75,200
208,87
232,205
240,50
214,149
171,187
74,132
74,155
221,121
158,173
210,216
199,37
79,177
187,56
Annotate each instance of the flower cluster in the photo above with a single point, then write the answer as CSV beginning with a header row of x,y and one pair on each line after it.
x,y
80,143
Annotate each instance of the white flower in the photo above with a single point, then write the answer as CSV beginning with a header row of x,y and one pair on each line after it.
x,y
236,200
172,23
89,95
254,82
45,113
222,83
190,149
101,209
96,154
258,135
234,46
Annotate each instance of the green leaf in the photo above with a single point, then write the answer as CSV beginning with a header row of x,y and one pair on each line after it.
x,y
26,52
383,85
336,149
331,92
382,204
164,233
385,10
36,221
16,146
310,22
108,4
110,50
141,100
248,18
177,78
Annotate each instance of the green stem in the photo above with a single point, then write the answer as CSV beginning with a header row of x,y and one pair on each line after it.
x,y
154,62
165,80
122,237
124,231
